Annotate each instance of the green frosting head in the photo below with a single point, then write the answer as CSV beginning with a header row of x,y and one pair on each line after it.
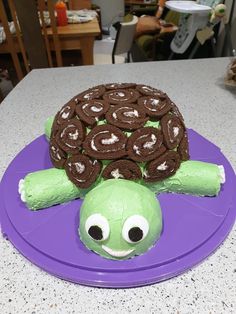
x,y
120,219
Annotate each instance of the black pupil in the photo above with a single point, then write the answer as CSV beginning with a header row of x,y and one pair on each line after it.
x,y
95,232
135,234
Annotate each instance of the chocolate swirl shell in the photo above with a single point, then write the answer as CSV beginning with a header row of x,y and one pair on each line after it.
x,y
70,136
119,85
145,144
82,171
105,142
149,91
173,130
91,93
121,96
155,106
123,169
162,167
126,117
92,110
57,155
183,148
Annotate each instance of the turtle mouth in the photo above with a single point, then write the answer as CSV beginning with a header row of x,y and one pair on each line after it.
x,y
116,253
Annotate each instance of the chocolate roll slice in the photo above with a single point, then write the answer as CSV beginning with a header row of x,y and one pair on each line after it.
x,y
183,148
55,127
121,96
123,169
175,110
105,142
67,112
172,129
92,110
127,116
145,144
91,93
155,106
149,91
163,167
82,171
70,136
119,85
57,155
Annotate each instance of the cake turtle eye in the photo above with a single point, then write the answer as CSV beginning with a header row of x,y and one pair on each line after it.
x,y
135,234
135,229
97,227
95,232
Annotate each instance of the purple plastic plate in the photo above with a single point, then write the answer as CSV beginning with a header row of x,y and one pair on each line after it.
x,y
193,227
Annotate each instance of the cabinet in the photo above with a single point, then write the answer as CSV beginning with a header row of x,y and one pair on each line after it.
x,y
133,5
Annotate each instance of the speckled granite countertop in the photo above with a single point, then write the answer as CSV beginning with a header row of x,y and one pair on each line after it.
x,y
197,88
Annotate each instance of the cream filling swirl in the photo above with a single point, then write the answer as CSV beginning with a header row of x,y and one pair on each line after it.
x,y
21,190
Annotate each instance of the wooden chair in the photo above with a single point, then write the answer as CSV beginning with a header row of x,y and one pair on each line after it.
x,y
122,44
30,40
124,38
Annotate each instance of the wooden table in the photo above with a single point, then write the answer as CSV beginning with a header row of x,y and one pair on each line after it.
x,y
72,37
78,37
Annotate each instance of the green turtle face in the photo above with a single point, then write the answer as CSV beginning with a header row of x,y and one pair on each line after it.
x,y
120,219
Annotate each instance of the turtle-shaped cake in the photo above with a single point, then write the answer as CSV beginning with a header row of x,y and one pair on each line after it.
x,y
118,144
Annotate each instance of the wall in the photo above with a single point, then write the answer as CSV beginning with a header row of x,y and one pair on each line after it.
x,y
233,29
222,49
111,11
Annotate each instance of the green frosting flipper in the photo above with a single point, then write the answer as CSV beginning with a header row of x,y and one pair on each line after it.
x,y
193,177
48,187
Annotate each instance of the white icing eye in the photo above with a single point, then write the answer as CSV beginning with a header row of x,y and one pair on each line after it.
x,y
97,227
135,229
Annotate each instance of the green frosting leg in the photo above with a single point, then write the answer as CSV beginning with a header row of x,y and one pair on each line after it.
x,y
48,187
193,177
120,219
